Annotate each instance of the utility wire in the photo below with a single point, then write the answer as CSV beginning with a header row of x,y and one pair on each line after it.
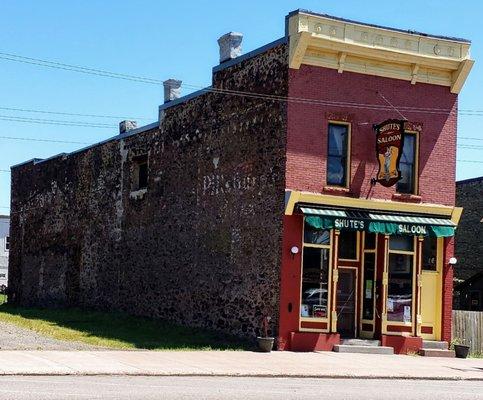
x,y
83,124
71,114
130,77
41,140
465,145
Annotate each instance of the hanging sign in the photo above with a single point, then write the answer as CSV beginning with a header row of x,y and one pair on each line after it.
x,y
389,147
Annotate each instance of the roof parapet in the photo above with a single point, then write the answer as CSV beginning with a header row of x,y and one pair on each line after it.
x,y
330,42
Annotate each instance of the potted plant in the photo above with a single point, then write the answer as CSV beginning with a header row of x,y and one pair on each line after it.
x,y
461,349
265,342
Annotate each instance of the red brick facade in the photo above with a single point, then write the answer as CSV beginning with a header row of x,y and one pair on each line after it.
x,y
306,171
307,131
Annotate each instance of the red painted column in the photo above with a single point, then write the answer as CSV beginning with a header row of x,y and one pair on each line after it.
x,y
290,279
447,298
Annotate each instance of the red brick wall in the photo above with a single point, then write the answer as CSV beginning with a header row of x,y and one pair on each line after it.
x,y
307,131
290,280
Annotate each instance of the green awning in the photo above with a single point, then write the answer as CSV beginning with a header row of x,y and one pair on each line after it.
x,y
386,224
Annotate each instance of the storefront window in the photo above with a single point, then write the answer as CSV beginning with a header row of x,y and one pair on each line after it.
x,y
430,245
337,154
316,236
315,270
370,241
407,165
404,243
400,289
348,245
368,294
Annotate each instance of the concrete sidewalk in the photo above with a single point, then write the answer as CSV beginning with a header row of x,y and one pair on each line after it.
x,y
237,363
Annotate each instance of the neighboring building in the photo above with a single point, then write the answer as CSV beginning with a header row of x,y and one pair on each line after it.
x,y
469,294
255,197
4,250
468,239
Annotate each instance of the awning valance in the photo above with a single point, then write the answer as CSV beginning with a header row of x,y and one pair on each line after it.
x,y
386,224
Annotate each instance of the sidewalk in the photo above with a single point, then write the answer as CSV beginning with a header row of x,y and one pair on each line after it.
x,y
237,363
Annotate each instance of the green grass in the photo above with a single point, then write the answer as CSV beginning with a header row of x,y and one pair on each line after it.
x,y
117,330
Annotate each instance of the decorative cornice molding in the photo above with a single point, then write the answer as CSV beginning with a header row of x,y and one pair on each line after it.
x,y
350,46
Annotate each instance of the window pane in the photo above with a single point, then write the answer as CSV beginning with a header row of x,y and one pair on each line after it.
x,y
406,165
368,299
337,154
336,170
408,149
370,241
314,282
143,176
348,245
430,245
316,236
400,289
406,183
338,140
401,243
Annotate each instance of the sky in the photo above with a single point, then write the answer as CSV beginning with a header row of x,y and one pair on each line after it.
x,y
172,39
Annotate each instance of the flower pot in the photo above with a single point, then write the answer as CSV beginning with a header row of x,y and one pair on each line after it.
x,y
461,350
265,344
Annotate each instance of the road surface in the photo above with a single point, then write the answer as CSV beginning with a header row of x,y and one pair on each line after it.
x,y
142,387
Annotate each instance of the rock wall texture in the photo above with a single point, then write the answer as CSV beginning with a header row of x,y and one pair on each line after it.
x,y
200,245
468,239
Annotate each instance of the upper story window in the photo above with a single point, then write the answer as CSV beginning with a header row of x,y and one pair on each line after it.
x,y
408,165
338,155
140,178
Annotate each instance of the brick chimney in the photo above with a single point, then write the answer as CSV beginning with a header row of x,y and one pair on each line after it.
x,y
126,125
230,46
172,89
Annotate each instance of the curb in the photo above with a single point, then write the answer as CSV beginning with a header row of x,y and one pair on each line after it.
x,y
272,376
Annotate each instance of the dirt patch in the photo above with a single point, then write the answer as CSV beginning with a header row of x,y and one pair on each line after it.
x,y
13,337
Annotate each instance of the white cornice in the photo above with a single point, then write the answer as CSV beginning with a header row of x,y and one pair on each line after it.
x,y
349,46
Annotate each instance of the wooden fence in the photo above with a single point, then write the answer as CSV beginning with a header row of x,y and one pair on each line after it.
x,y
468,326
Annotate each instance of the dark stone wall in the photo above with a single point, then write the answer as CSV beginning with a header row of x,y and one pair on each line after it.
x,y
201,246
468,238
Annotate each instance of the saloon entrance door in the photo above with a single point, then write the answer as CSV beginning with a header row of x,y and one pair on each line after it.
x,y
346,302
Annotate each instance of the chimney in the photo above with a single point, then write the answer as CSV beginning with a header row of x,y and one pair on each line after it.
x,y
230,46
125,126
172,89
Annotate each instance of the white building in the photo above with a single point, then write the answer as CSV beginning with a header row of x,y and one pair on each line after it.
x,y
4,249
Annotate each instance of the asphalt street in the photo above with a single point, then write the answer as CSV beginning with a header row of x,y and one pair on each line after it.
x,y
143,387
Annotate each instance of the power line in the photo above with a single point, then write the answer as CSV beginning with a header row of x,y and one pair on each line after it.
x,y
465,146
41,140
469,138
71,114
130,77
42,121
